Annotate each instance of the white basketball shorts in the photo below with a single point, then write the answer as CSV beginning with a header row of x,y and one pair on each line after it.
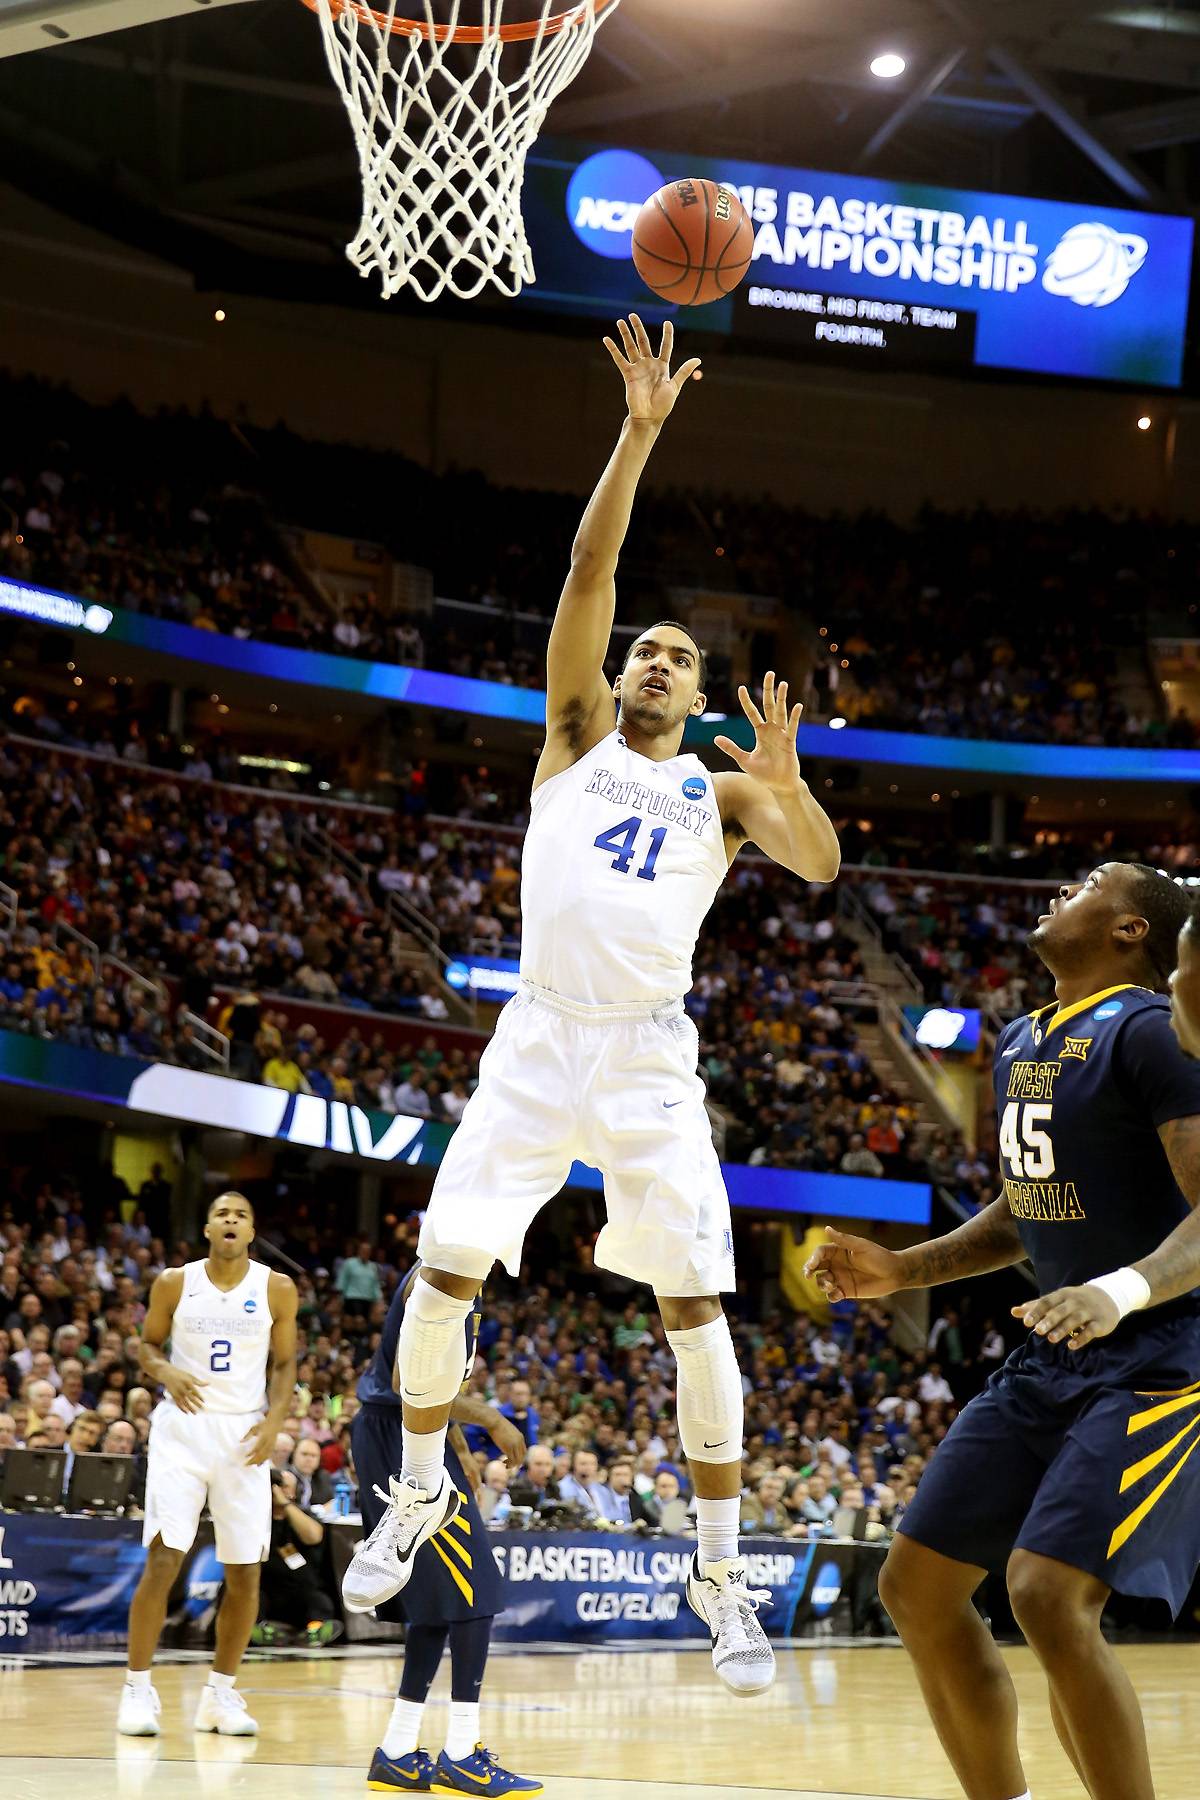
x,y
198,1457
616,1088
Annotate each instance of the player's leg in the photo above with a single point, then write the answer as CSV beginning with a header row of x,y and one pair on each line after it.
x,y
400,1764
971,1503
1062,1732
1058,1608
175,1494
466,1766
239,1499
138,1714
510,1154
1119,1509
967,1689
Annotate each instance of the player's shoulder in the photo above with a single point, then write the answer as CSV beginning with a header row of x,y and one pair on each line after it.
x,y
167,1287
282,1292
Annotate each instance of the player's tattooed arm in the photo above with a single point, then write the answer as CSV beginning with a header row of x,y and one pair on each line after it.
x,y
855,1268
1174,1268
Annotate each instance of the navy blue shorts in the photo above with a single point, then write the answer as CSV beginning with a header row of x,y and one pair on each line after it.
x,y
1088,1457
455,1576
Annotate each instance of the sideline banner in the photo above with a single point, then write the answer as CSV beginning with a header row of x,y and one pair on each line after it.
x,y
67,1583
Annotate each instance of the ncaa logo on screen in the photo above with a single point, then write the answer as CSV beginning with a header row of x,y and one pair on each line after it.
x,y
826,1588
1093,265
694,788
204,1580
604,198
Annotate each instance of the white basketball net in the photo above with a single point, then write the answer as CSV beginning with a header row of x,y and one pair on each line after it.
x,y
441,144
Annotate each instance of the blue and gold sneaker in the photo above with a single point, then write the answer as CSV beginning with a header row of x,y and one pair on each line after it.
x,y
409,1774
480,1773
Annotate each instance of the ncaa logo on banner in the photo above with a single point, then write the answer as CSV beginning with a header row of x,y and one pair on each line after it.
x,y
826,1588
1093,265
605,196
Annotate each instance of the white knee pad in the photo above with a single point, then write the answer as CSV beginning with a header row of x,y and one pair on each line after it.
x,y
432,1353
708,1398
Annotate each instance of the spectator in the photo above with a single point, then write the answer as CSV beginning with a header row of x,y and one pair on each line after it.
x,y
314,1485
358,1277
291,1594
583,1487
649,1507
535,1482
493,1498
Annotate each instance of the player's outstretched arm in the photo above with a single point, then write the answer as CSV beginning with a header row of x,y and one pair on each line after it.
x,y
1080,1314
769,803
856,1268
579,702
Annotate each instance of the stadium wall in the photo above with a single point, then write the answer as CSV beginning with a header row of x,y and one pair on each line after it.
x,y
534,408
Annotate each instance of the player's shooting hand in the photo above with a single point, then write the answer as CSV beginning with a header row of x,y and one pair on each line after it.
x,y
853,1268
508,1441
650,388
261,1439
185,1390
773,760
1076,1314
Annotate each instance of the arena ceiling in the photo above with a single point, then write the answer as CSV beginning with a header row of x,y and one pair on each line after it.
x,y
213,135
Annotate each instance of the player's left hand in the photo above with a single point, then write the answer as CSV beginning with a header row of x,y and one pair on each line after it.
x,y
1077,1314
508,1441
261,1438
773,760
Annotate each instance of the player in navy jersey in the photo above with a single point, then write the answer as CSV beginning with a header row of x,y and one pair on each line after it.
x,y
1076,1468
455,1591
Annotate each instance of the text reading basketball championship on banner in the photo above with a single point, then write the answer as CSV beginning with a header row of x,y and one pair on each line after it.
x,y
883,272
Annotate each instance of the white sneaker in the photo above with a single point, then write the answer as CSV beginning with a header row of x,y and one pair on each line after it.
x,y
383,1563
717,1593
223,1710
138,1713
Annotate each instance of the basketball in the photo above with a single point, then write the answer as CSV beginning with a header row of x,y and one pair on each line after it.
x,y
692,241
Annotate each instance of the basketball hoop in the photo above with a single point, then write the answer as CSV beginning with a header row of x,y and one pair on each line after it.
x,y
444,115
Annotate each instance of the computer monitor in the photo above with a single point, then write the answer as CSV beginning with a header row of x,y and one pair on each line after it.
x,y
32,1480
99,1484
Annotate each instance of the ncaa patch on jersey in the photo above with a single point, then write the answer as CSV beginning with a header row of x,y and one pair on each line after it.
x,y
250,1305
694,788
1109,1010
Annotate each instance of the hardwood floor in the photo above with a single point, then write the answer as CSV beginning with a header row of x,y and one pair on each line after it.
x,y
841,1723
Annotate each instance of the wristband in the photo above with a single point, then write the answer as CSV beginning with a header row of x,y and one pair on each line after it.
x,y
1129,1290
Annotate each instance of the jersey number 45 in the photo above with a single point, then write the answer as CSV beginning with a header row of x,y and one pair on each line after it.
x,y
1023,1144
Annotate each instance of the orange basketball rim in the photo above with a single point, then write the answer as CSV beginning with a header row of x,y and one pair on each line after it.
x,y
466,34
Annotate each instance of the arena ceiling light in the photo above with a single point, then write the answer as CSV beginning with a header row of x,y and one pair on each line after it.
x,y
888,65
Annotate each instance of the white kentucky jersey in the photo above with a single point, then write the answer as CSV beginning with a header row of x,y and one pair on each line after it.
x,y
223,1338
623,858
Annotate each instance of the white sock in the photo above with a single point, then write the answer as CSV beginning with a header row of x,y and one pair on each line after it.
x,y
220,1681
462,1729
717,1528
424,1457
403,1729
1025,1796
138,1680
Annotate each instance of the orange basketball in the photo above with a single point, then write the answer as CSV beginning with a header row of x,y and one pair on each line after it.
x,y
692,241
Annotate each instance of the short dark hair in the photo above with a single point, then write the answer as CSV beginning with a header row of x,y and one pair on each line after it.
x,y
1166,908
676,625
229,1194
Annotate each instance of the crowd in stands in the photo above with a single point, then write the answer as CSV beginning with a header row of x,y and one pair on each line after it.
x,y
967,624
839,1417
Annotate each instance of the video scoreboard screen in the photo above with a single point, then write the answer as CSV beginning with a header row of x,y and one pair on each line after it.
x,y
890,274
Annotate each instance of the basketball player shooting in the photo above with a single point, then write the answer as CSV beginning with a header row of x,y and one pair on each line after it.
x,y
1074,1471
211,1440
594,1057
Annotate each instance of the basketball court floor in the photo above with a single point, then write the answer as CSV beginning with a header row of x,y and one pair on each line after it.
x,y
841,1723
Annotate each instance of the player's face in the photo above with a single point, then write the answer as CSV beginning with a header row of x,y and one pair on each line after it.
x,y
660,684
1079,916
230,1227
1185,994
